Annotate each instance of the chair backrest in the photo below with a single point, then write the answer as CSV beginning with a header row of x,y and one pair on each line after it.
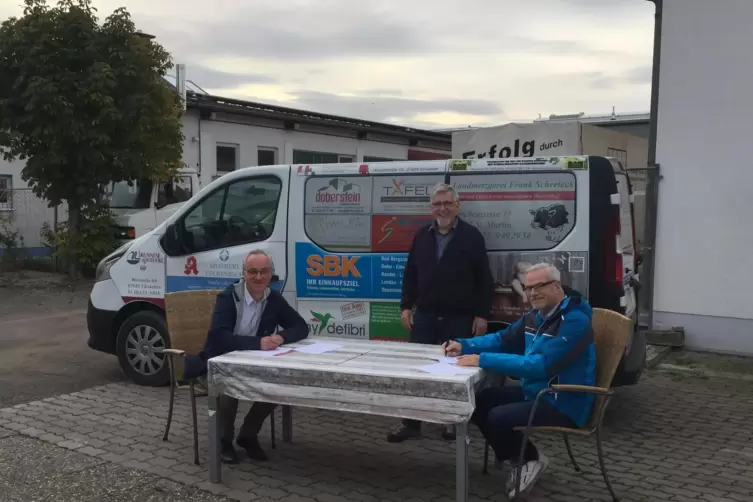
x,y
189,316
611,335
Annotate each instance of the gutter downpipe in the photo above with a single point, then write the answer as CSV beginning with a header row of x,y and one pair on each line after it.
x,y
654,176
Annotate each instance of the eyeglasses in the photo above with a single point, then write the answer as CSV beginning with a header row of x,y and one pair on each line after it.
x,y
446,203
540,285
261,272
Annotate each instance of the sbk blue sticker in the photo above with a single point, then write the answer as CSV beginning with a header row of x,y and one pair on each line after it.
x,y
320,274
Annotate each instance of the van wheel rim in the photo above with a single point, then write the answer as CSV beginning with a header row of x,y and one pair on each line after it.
x,y
144,346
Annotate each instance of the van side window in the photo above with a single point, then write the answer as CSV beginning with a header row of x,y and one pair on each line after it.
x,y
242,212
532,211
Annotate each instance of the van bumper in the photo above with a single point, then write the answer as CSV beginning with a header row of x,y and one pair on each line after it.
x,y
99,323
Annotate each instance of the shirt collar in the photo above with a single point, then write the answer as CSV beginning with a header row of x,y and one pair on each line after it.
x,y
250,299
434,225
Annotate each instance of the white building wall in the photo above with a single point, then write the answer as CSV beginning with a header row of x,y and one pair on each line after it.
x,y
203,136
199,152
704,248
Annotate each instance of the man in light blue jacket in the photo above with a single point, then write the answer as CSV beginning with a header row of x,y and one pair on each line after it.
x,y
551,344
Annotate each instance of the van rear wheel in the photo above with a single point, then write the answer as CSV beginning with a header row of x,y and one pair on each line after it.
x,y
140,342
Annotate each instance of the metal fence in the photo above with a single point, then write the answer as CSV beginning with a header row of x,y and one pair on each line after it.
x,y
27,214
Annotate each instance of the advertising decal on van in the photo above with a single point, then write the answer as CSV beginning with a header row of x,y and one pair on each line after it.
x,y
209,270
325,275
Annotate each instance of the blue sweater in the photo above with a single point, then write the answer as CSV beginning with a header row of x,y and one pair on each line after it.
x,y
541,352
228,309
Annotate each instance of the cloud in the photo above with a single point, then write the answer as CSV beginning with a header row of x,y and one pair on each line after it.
x,y
208,78
385,107
437,63
640,75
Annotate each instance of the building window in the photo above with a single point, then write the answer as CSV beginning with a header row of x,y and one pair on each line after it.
x,y
6,197
618,154
346,159
368,159
266,156
306,157
227,157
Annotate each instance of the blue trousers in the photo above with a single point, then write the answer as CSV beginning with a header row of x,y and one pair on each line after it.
x,y
500,409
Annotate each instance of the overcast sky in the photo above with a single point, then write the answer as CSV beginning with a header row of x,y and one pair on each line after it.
x,y
427,63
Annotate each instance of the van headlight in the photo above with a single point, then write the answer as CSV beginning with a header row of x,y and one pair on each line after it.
x,y
103,268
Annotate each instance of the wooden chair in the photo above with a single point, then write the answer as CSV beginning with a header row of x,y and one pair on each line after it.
x,y
189,316
611,334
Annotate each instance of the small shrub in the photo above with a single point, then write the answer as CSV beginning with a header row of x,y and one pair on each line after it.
x,y
94,241
11,242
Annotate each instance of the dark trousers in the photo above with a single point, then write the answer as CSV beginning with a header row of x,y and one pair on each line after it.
x,y
435,330
227,410
500,409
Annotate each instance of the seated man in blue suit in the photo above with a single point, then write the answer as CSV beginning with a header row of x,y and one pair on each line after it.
x,y
246,317
551,344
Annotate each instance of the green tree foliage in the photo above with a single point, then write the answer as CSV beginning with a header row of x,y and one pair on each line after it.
x,y
85,104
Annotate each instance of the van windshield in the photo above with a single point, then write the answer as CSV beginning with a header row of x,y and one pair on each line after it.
x,y
130,194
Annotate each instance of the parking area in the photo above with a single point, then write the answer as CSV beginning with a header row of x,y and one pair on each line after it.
x,y
673,437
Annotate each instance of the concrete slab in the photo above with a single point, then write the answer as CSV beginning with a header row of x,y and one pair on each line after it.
x,y
29,462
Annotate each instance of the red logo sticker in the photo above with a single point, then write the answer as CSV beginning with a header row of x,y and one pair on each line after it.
x,y
191,266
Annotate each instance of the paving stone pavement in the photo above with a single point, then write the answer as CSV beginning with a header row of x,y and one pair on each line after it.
x,y
670,438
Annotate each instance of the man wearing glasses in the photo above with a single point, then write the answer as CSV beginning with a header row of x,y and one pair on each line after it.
x,y
551,344
448,282
246,317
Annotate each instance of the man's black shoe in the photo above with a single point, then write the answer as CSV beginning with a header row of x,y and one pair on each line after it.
x,y
228,455
252,447
448,433
402,433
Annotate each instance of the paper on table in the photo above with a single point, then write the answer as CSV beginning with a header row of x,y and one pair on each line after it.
x,y
447,359
445,369
319,348
274,352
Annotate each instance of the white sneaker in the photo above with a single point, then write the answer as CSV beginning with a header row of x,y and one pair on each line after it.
x,y
529,474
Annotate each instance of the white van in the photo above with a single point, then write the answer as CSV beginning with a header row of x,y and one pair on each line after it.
x,y
339,236
139,206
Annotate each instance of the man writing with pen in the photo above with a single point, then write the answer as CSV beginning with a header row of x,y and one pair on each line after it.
x,y
246,317
448,282
551,344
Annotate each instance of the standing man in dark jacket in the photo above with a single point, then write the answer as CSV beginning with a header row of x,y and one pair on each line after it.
x,y
448,281
246,317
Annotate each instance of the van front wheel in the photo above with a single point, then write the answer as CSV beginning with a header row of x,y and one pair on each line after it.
x,y
141,339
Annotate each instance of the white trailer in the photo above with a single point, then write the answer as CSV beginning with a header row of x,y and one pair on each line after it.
x,y
544,139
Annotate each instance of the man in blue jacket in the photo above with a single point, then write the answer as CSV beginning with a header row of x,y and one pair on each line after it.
x,y
246,317
551,344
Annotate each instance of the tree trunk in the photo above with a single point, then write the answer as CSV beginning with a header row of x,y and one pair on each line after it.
x,y
74,218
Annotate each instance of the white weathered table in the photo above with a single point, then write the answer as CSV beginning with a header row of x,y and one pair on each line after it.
x,y
373,377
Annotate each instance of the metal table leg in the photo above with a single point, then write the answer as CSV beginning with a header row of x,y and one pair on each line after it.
x,y
215,467
287,424
461,462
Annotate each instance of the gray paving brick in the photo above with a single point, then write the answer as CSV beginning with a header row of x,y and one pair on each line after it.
x,y
665,440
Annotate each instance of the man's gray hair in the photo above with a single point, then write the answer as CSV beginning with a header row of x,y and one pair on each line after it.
x,y
445,188
255,252
552,272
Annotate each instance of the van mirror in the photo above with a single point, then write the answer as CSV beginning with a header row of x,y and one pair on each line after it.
x,y
171,240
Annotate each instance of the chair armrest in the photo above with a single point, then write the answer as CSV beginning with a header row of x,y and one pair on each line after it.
x,y
582,388
175,352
